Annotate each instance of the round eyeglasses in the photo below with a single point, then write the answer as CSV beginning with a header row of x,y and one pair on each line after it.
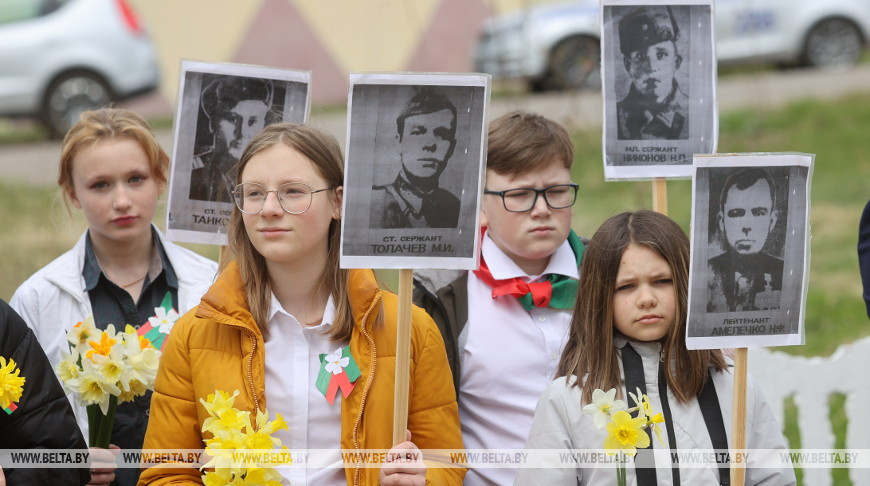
x,y
523,199
294,197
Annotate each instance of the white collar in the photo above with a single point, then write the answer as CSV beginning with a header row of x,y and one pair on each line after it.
x,y
501,266
325,324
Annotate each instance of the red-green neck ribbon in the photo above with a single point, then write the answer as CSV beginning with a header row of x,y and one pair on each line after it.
x,y
11,408
338,371
556,292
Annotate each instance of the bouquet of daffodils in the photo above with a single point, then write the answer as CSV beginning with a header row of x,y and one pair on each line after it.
x,y
104,368
233,433
625,434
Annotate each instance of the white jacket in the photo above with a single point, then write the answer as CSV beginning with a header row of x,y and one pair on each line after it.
x,y
560,423
53,299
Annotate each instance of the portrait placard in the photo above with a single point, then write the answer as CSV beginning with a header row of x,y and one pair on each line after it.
x,y
416,146
658,82
749,263
220,108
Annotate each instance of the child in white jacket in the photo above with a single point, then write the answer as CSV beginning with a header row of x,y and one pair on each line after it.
x,y
628,332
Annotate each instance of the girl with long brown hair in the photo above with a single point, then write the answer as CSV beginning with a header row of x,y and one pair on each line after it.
x,y
266,324
628,332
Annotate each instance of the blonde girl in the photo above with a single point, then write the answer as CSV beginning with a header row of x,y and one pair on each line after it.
x,y
113,170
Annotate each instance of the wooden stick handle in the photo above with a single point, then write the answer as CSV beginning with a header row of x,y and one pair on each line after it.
x,y
660,195
403,357
738,415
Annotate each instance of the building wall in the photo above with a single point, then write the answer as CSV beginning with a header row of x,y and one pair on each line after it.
x,y
331,38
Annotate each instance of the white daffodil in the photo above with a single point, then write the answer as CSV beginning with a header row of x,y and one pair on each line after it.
x,y
335,363
603,406
67,369
163,320
143,366
93,388
82,331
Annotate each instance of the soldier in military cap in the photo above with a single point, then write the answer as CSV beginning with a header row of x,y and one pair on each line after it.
x,y
655,107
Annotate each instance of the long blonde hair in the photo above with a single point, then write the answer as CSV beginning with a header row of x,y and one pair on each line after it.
x,y
323,151
589,351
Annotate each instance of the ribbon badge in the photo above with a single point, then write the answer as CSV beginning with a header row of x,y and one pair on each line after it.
x,y
159,325
338,370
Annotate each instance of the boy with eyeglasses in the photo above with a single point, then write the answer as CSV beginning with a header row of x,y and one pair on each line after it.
x,y
505,324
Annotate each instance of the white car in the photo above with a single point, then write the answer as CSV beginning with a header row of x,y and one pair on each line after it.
x,y
61,57
557,45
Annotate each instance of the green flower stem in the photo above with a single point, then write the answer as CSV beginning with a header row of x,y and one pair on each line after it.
x,y
100,426
93,410
620,470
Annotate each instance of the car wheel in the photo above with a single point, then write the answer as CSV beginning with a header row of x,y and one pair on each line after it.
x,y
68,96
575,63
833,44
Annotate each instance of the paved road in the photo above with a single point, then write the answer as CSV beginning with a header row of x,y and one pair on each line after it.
x,y
36,163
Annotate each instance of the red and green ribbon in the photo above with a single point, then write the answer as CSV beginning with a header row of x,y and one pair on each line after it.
x,y
556,292
11,408
329,383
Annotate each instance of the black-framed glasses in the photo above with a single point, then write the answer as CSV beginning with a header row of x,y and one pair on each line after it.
x,y
524,199
294,197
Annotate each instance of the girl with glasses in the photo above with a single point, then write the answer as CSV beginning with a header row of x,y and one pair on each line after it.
x,y
283,317
121,270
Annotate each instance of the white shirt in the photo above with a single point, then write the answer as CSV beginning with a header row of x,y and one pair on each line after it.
x,y
292,364
509,358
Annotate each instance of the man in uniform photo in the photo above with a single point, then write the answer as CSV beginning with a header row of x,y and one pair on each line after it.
x,y
745,277
655,107
426,131
236,108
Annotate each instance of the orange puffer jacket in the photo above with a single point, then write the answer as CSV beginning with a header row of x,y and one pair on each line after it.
x,y
217,345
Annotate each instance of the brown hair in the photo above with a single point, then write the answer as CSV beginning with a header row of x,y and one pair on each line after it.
x,y
520,142
109,124
589,351
324,153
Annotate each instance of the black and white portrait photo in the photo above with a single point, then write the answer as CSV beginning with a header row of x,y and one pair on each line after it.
x,y
232,110
658,72
426,131
415,152
749,248
749,224
221,107
656,106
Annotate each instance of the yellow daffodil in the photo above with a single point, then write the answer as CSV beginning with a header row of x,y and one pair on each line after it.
x,y
263,476
232,431
603,406
11,385
654,422
626,434
217,478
